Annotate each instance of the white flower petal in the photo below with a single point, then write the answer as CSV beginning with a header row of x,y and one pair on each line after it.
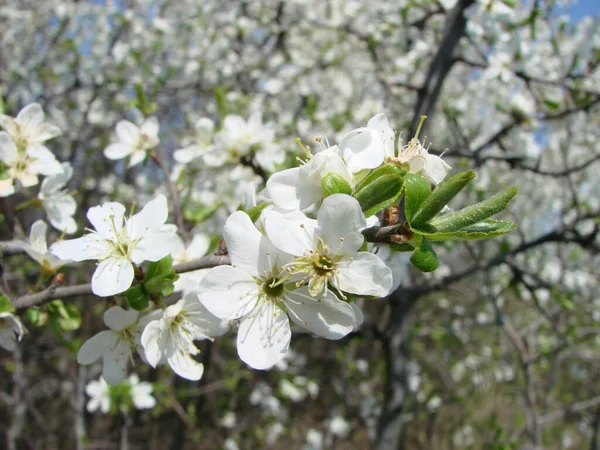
x,y
203,321
117,318
112,276
155,245
264,337
291,232
118,151
150,127
151,218
363,274
380,123
283,188
363,149
328,316
114,369
341,221
44,162
248,248
32,114
185,366
127,132
46,131
8,149
87,247
436,169
137,157
153,343
107,218
55,183
95,347
37,236
228,293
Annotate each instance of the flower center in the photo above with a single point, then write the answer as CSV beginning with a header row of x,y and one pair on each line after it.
x,y
322,264
272,288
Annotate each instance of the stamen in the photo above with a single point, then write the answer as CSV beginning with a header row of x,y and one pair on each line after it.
x,y
303,147
421,121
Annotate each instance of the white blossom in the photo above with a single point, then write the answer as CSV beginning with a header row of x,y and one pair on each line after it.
x,y
29,127
37,248
99,393
24,164
133,141
170,338
255,289
326,249
114,346
60,206
118,243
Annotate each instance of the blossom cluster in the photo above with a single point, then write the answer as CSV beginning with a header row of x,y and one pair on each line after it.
x,y
299,257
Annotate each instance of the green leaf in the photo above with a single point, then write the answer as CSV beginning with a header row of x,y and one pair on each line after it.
x,y
137,297
160,277
475,213
440,197
255,211
483,230
144,104
424,258
402,247
332,183
6,305
67,316
379,194
159,268
388,169
552,105
37,317
201,213
416,190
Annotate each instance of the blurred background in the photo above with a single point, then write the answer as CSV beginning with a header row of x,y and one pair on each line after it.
x,y
497,349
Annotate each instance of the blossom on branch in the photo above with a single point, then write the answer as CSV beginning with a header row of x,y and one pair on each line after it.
x,y
169,339
119,243
257,289
134,141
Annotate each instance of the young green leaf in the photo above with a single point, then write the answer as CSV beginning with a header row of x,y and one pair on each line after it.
x,y
475,213
440,197
416,190
379,194
137,297
425,258
387,169
332,183
483,230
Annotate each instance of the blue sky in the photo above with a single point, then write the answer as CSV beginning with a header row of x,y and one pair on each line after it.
x,y
583,8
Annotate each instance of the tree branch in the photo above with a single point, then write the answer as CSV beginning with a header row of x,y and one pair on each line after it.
x,y
55,292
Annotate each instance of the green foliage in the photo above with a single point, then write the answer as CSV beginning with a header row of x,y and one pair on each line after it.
x,y
440,197
201,213
255,211
425,258
473,214
6,305
485,229
142,102
379,193
157,282
333,183
416,191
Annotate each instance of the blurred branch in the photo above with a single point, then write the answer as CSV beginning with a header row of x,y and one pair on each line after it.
x,y
11,247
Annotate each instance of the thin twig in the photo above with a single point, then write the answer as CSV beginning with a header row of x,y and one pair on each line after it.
x,y
54,292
